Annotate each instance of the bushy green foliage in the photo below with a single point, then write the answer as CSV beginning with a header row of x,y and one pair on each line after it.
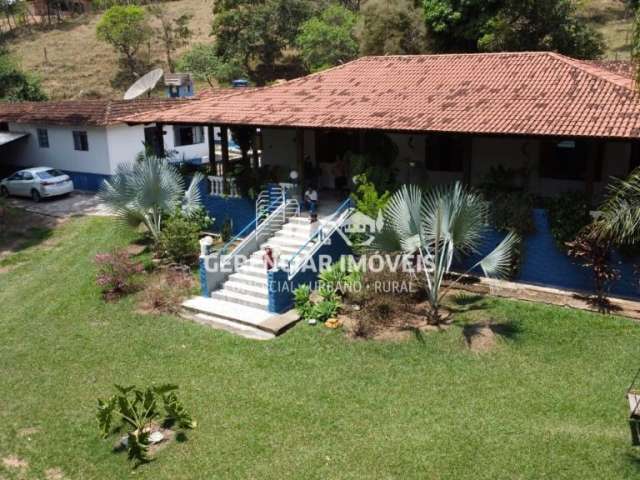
x,y
302,301
327,40
203,61
510,25
137,409
513,212
255,34
126,29
15,84
325,309
180,235
391,28
367,198
568,215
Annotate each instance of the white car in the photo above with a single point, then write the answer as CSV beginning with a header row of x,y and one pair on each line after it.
x,y
37,183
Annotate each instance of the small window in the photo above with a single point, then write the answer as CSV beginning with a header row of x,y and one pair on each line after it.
x,y
43,138
80,141
27,176
444,153
51,173
188,136
568,160
4,127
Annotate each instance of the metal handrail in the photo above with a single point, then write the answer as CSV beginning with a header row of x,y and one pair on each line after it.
x,y
282,208
320,236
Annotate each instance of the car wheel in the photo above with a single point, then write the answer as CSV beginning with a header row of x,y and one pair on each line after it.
x,y
35,195
4,192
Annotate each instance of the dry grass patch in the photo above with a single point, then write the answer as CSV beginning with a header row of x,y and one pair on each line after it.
x,y
81,66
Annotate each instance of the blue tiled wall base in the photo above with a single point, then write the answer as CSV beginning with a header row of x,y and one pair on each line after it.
x,y
204,288
87,181
281,288
240,211
544,263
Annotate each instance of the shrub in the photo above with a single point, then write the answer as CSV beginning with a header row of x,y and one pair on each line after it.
x,y
367,199
117,273
568,215
593,253
513,212
166,294
138,411
226,232
324,310
179,238
302,300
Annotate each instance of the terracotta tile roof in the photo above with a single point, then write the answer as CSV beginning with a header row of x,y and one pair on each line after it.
x,y
528,93
623,68
81,112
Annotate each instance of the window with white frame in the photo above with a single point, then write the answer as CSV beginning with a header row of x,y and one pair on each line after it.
x,y
188,135
80,140
43,138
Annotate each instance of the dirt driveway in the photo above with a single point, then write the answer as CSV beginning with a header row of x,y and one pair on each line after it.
x,y
75,204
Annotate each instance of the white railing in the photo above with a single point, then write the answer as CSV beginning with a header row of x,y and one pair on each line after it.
x,y
217,187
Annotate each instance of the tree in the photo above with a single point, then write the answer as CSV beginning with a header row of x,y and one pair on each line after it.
x,y
510,25
254,33
327,40
541,25
635,48
147,191
174,33
203,61
456,25
17,85
389,28
437,227
127,29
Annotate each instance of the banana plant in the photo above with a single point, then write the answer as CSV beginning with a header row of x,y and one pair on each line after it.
x,y
137,409
148,190
436,227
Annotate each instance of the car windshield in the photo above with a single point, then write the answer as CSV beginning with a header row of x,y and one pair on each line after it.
x,y
46,174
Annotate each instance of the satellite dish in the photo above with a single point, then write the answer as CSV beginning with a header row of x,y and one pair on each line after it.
x,y
144,84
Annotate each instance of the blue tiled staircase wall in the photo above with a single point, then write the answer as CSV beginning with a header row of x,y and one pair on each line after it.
x,y
281,288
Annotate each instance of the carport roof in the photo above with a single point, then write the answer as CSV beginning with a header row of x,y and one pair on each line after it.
x,y
7,137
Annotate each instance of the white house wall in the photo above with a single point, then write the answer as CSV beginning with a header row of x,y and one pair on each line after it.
x,y
61,153
124,143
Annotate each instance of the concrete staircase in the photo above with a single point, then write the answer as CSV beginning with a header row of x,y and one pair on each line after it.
x,y
242,303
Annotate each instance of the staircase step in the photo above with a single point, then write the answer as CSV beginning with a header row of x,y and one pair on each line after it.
x,y
249,279
258,272
259,291
240,298
239,319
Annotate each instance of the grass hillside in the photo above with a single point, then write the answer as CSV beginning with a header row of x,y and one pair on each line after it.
x,y
79,65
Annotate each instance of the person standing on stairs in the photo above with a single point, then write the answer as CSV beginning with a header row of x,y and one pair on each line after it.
x,y
311,202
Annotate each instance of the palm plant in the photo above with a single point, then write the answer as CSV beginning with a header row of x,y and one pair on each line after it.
x,y
619,216
148,190
436,227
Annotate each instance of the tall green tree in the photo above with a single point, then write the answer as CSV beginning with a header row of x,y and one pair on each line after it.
x,y
328,39
510,25
203,61
127,29
387,28
15,84
255,33
529,25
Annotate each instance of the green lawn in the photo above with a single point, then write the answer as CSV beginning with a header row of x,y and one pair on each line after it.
x,y
548,403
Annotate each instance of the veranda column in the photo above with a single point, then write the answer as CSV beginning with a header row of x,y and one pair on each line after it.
x,y
212,150
594,159
300,159
159,147
224,143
